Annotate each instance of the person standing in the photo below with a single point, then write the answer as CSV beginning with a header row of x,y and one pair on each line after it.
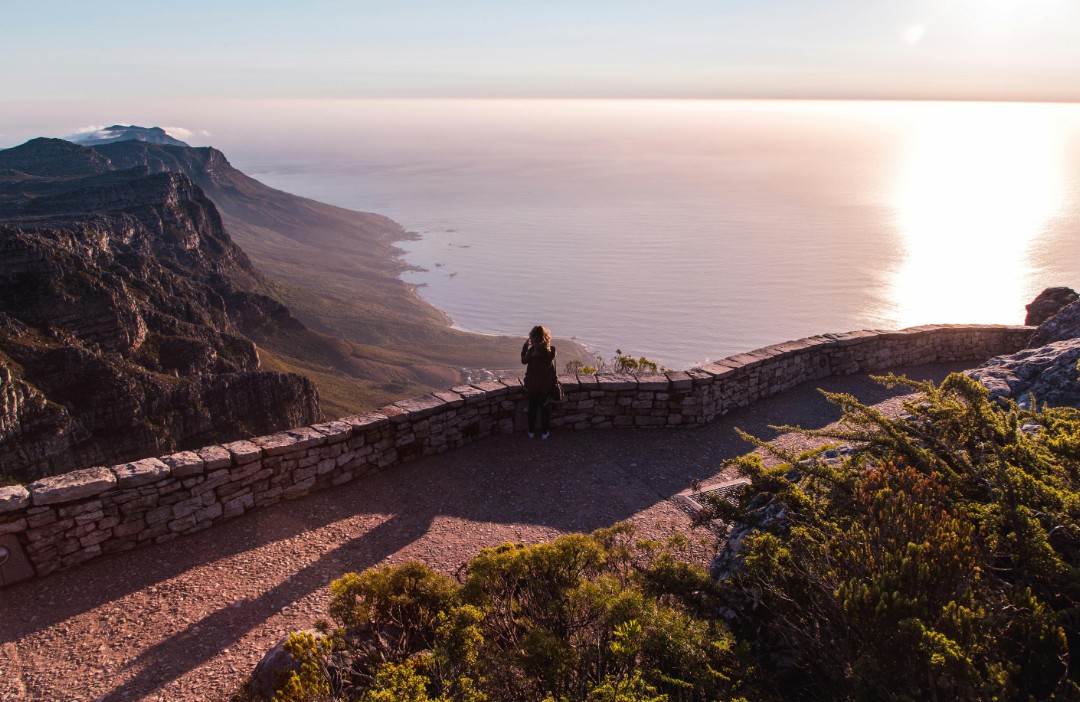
x,y
540,376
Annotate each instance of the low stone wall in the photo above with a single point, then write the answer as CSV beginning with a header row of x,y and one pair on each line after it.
x,y
64,520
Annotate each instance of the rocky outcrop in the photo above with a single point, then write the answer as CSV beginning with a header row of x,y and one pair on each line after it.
x,y
120,132
1046,375
52,158
1065,324
1047,304
123,310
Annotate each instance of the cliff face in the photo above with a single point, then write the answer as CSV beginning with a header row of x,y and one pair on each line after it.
x,y
123,306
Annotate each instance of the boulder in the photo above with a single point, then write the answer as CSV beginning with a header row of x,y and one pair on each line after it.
x,y
272,669
1063,325
1047,303
1048,373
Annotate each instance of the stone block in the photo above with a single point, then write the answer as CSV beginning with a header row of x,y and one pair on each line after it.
x,y
653,382
129,528
276,444
184,464
300,488
76,485
335,432
94,538
613,382
13,497
40,519
422,406
307,437
366,421
241,472
190,506
491,388
13,527
215,457
680,381
182,524
137,473
238,505
88,517
243,452
159,515
468,393
450,397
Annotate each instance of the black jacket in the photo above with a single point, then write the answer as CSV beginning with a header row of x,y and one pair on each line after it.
x,y
540,376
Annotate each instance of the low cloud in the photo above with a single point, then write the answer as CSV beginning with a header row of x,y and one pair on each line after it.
x,y
183,133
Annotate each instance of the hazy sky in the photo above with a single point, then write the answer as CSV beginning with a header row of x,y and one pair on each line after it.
x,y
993,49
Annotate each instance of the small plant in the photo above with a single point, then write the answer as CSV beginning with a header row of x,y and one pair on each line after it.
x,y
619,363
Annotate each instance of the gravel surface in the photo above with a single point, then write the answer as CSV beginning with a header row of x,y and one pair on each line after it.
x,y
188,620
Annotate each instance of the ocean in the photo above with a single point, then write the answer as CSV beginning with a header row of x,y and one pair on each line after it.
x,y
691,230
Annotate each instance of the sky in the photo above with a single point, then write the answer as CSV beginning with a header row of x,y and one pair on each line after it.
x,y
319,49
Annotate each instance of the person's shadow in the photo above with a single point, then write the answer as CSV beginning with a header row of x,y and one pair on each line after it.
x,y
574,482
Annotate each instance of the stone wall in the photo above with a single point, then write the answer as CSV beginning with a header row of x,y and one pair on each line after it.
x,y
64,520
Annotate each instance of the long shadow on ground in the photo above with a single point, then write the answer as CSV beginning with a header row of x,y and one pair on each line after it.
x,y
574,482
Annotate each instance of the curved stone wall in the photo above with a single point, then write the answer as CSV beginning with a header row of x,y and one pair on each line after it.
x,y
64,520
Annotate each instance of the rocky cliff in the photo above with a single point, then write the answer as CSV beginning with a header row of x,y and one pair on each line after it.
x,y
123,310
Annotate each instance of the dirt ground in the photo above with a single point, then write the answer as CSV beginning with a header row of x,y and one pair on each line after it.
x,y
188,620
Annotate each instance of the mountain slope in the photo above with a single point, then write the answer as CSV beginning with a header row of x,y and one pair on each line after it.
x,y
122,299
340,267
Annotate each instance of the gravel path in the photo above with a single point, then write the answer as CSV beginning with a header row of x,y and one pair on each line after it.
x,y
189,619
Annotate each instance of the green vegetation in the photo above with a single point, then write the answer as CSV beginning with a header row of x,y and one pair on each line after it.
x,y
619,363
937,560
602,617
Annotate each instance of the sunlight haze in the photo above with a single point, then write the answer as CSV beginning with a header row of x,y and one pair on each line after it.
x,y
923,49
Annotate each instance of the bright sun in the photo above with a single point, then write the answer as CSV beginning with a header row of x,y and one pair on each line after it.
x,y
993,18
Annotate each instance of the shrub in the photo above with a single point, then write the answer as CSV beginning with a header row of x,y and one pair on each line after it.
x,y
937,561
597,617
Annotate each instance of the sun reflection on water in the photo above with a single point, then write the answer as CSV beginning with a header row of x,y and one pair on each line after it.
x,y
976,191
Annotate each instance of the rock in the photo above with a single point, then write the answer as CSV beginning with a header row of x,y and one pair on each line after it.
x,y
276,664
144,472
764,515
1048,373
156,354
13,497
1063,325
1047,303
71,486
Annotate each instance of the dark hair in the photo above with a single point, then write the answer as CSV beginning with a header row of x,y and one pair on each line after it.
x,y
540,336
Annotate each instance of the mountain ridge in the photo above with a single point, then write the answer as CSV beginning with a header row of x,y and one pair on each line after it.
x,y
122,299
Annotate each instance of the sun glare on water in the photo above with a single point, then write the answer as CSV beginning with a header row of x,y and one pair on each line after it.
x,y
976,191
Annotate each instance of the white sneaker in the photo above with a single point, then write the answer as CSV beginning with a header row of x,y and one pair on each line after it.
x,y
545,435
531,435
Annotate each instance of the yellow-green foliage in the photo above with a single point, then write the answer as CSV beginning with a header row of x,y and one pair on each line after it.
x,y
311,682
597,617
938,560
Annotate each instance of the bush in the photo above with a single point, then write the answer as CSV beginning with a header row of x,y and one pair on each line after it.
x,y
619,363
598,617
937,561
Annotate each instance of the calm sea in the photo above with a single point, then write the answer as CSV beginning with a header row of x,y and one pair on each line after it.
x,y
691,230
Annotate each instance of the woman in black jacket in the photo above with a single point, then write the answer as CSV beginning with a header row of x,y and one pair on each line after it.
x,y
540,376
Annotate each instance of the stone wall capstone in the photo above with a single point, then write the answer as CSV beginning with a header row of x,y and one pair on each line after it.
x,y
67,519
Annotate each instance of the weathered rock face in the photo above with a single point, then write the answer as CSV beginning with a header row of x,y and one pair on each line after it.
x,y
123,306
1065,324
1047,303
1046,373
